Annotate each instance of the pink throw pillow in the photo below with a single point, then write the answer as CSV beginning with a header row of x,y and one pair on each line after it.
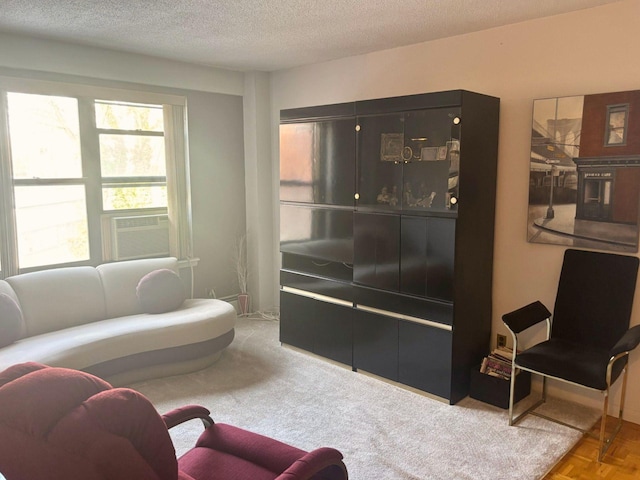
x,y
160,291
12,325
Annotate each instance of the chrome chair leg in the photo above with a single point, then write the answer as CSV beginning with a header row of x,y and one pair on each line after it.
x,y
605,443
603,426
512,387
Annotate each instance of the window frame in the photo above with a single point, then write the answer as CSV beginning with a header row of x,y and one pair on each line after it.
x,y
129,181
613,109
174,109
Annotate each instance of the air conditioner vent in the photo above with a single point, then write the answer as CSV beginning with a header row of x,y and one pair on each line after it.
x,y
139,236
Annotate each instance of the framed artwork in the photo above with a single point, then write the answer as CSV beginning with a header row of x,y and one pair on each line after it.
x,y
584,176
429,154
391,146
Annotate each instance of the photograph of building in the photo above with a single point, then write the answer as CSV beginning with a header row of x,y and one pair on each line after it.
x,y
584,178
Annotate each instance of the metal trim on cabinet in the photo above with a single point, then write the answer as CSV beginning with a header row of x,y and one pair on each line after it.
x,y
316,296
401,316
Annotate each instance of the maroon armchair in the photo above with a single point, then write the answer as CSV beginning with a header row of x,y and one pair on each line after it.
x,y
59,424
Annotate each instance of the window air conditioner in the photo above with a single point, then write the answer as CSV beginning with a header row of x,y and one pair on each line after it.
x,y
139,237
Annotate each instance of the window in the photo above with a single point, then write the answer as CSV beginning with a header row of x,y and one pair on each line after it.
x,y
49,190
616,127
132,155
73,157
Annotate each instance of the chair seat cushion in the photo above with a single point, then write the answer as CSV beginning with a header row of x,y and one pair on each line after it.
x,y
576,363
206,464
227,452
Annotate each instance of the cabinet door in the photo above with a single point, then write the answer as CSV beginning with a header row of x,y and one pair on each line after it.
x,y
413,255
317,232
409,161
375,344
380,143
319,327
376,259
334,331
424,358
317,162
441,239
296,321
427,257
431,160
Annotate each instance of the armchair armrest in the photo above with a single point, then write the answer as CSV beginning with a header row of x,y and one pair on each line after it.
x,y
628,342
525,317
325,460
186,413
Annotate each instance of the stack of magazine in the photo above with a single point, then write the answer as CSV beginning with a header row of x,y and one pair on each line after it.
x,y
498,363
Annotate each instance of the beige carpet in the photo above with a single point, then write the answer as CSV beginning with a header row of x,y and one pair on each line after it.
x,y
384,432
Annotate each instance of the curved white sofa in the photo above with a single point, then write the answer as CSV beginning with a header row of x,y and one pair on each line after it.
x,y
90,319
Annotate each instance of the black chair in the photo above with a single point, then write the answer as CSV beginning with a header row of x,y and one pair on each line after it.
x,y
589,340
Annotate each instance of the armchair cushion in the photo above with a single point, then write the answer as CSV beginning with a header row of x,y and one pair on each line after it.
x,y
224,452
571,361
23,388
269,454
595,297
119,424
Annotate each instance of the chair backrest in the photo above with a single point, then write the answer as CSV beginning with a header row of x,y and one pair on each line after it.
x,y
58,424
595,297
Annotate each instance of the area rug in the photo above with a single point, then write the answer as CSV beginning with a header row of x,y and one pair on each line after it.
x,y
384,432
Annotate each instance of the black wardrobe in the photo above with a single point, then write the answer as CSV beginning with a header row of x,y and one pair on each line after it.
x,y
386,233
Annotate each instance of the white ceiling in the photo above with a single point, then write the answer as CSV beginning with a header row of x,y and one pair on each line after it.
x,y
265,35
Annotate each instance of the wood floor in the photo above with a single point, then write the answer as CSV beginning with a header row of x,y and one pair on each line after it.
x,y
622,461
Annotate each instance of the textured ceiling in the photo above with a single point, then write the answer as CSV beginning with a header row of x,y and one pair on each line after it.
x,y
265,34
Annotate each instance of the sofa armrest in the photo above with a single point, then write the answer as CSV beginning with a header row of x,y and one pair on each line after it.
x,y
186,413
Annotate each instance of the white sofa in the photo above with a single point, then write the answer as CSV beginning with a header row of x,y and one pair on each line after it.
x,y
91,319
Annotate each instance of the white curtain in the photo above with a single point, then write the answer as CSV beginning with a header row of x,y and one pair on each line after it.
x,y
178,186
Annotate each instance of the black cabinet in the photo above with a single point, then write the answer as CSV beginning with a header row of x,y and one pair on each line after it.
x,y
394,198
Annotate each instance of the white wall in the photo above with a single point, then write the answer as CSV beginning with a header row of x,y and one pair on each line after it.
x,y
22,52
215,133
589,51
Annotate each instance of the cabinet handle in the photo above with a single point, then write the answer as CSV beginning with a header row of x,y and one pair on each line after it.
x,y
357,196
357,128
453,200
318,264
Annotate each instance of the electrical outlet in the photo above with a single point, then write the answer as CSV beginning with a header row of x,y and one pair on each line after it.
x,y
501,340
